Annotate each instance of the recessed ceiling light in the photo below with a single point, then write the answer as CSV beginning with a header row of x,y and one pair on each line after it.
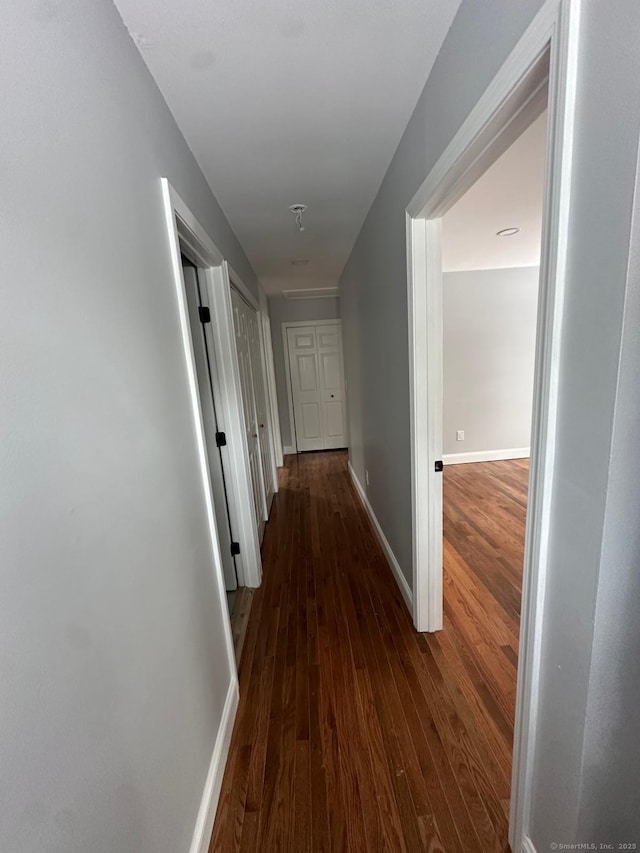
x,y
507,232
299,262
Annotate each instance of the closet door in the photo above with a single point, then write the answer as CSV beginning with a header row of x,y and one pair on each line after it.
x,y
317,385
241,326
329,341
260,393
305,387
205,370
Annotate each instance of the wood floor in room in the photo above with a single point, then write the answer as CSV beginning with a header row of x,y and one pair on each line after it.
x,y
354,733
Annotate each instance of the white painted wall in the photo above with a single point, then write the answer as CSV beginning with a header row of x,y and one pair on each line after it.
x,y
112,659
292,311
489,335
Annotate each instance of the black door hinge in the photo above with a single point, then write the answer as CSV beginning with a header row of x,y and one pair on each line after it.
x,y
221,439
205,314
439,465
235,549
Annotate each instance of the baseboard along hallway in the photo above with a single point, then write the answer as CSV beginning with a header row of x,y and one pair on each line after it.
x,y
355,733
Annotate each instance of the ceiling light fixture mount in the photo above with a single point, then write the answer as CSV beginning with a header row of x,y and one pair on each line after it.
x,y
299,262
298,211
507,232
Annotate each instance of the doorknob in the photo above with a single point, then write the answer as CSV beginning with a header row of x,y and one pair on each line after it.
x,y
254,435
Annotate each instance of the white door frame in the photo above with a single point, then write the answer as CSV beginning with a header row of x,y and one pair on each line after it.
x,y
287,368
503,112
184,229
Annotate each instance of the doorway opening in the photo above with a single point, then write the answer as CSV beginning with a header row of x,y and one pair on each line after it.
x,y
208,383
203,291
542,69
491,242
238,595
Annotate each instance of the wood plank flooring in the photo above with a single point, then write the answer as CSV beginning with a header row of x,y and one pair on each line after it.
x,y
240,618
354,733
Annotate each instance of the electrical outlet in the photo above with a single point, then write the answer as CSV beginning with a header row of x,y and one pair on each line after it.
x,y
460,435
366,476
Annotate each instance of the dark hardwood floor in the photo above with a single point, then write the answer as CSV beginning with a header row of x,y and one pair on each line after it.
x,y
354,733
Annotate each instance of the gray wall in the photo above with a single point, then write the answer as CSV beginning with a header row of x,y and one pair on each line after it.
x,y
374,310
610,794
281,311
113,668
489,339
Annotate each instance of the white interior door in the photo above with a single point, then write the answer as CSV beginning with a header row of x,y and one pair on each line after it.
x,y
329,341
241,321
260,398
317,385
205,367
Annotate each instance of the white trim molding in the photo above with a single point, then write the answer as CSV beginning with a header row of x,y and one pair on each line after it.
x,y
391,557
201,838
242,288
542,67
288,450
486,455
527,845
309,293
424,238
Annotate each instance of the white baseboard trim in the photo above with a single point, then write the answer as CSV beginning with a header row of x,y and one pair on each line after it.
x,y
527,845
209,803
486,455
288,450
391,557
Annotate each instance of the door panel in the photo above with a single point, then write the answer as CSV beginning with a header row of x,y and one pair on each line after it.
x,y
260,391
307,373
254,400
204,364
311,421
303,342
327,339
246,383
305,384
330,362
332,385
317,386
335,419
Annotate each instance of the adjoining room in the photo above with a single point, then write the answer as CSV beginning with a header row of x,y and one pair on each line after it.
x,y
491,241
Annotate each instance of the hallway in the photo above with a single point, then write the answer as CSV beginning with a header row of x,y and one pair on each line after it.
x,y
354,733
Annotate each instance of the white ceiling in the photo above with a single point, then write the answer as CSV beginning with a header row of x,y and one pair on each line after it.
x,y
291,101
509,194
